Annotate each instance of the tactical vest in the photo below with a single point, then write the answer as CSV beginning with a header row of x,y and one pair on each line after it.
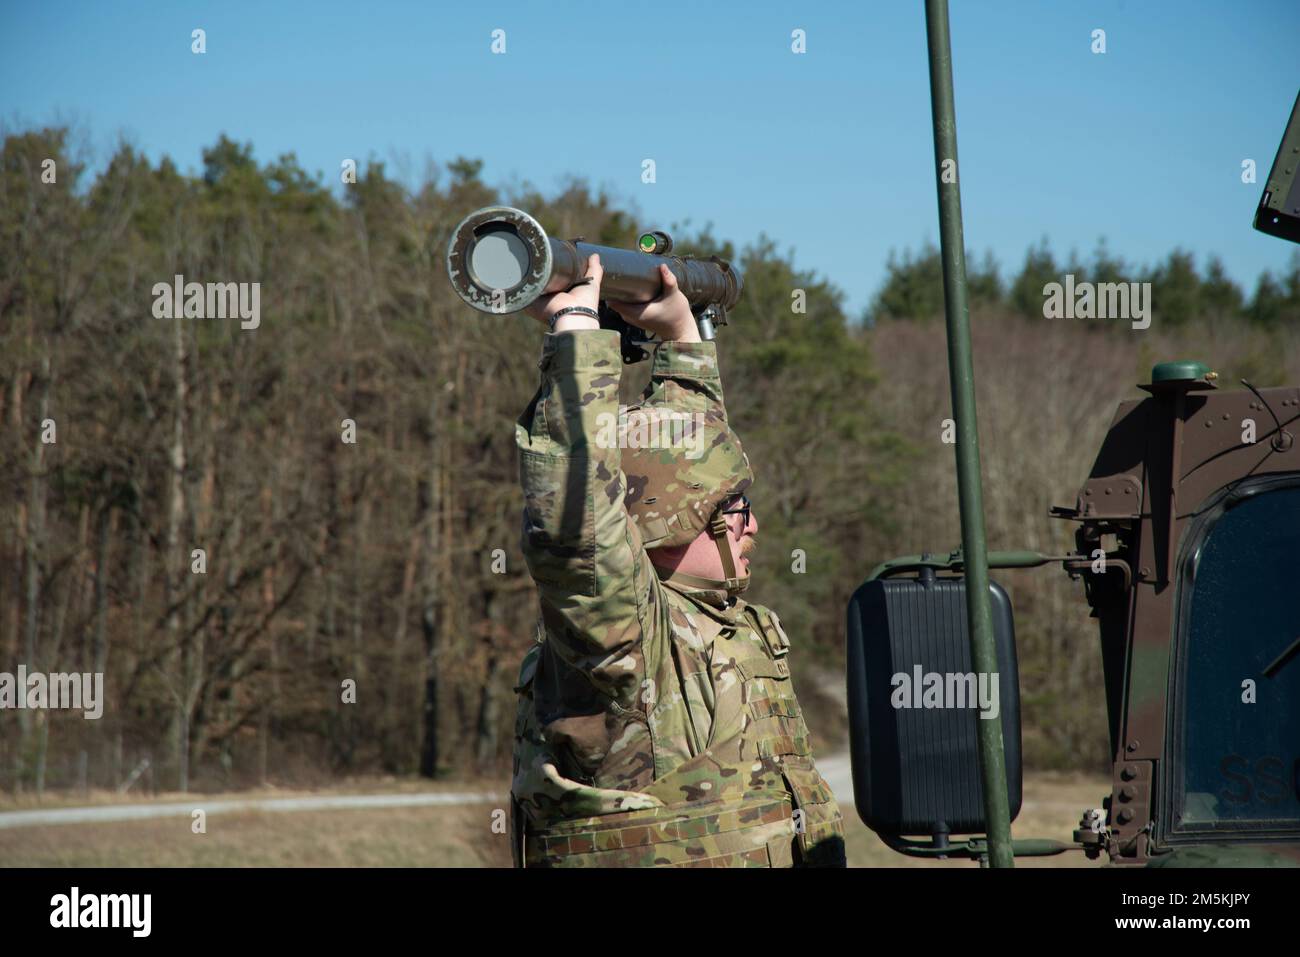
x,y
729,777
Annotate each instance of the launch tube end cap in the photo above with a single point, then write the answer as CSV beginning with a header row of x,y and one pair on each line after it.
x,y
499,259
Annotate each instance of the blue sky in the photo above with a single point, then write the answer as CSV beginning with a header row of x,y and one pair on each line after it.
x,y
828,152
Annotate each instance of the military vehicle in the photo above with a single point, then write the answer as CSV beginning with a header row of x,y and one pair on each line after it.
x,y
1187,543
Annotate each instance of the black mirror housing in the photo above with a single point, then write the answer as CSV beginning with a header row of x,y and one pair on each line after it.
x,y
1278,213
914,701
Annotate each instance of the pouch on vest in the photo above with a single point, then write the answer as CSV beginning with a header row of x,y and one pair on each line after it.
x,y
819,828
769,626
528,669
518,833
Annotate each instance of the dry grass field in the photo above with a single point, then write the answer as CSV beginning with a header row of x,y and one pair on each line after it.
x,y
399,837
456,836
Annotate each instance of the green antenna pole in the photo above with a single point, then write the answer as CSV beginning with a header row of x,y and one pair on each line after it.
x,y
961,377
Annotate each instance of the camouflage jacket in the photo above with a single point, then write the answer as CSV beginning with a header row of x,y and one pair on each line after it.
x,y
641,703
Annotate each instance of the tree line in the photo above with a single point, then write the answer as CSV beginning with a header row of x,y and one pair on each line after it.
x,y
1181,292
292,549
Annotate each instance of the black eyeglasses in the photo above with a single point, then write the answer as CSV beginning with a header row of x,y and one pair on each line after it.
x,y
742,509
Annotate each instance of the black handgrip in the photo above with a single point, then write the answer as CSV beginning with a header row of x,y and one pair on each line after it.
x,y
631,338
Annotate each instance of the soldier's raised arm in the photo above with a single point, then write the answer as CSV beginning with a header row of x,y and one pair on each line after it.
x,y
594,577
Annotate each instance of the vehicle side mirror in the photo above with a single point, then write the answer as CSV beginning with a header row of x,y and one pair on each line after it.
x,y
914,701
1278,213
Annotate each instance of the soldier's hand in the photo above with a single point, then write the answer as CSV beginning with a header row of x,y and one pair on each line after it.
x,y
543,307
668,316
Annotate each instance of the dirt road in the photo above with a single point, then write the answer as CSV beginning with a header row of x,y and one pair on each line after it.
x,y
137,812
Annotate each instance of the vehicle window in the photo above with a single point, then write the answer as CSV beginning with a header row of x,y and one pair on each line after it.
x,y
1241,728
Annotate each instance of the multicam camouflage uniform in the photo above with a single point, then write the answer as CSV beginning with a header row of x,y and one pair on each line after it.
x,y
657,725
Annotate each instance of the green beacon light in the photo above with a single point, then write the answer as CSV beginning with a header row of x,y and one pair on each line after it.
x,y
656,242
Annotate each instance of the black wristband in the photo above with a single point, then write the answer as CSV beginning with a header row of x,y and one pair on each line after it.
x,y
583,310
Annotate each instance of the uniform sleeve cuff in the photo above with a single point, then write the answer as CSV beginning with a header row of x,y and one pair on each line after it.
x,y
581,349
698,360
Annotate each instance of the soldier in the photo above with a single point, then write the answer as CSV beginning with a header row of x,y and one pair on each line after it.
x,y
656,725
